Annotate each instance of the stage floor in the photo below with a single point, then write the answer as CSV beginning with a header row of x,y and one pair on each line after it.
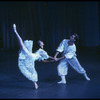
x,y
13,85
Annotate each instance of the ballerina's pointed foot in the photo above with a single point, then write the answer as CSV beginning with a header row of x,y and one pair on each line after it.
x,y
36,86
87,78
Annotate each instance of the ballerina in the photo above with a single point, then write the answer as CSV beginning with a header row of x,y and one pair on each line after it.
x,y
26,59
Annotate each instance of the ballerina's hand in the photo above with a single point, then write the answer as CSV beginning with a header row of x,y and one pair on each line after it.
x,y
55,59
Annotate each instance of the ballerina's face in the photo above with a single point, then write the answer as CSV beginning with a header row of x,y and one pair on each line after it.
x,y
41,44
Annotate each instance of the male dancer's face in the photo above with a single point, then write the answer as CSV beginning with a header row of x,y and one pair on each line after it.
x,y
72,38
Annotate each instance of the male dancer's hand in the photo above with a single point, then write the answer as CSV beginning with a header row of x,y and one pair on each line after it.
x,y
55,59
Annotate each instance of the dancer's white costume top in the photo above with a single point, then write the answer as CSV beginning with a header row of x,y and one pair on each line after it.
x,y
68,51
70,58
27,64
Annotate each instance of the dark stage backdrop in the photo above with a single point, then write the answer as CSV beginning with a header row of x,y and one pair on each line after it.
x,y
49,21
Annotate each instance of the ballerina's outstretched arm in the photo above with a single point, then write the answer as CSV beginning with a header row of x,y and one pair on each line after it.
x,y
20,40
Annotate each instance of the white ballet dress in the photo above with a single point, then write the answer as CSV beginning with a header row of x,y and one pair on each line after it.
x,y
26,63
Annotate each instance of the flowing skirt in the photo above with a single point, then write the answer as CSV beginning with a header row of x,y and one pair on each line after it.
x,y
26,65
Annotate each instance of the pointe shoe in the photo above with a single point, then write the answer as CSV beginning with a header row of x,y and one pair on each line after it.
x,y
36,86
87,78
85,75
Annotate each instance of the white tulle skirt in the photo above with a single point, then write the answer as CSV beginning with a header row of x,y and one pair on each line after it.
x,y
26,65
